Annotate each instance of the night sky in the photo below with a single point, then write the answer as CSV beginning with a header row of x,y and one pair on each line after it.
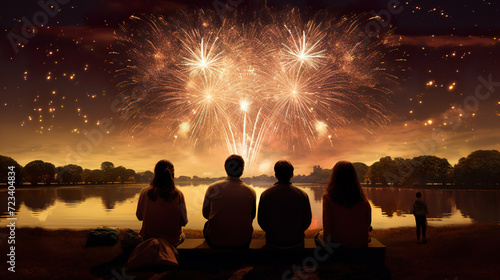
x,y
60,85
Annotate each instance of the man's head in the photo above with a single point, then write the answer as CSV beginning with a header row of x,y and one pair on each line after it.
x,y
234,166
283,170
419,195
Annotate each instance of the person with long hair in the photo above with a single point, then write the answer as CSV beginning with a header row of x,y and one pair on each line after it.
x,y
346,211
161,207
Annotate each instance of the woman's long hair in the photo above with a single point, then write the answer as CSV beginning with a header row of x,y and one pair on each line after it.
x,y
344,187
163,181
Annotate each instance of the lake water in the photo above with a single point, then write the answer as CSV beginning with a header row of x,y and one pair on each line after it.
x,y
83,207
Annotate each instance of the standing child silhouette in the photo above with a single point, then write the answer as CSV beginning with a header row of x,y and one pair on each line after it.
x,y
420,212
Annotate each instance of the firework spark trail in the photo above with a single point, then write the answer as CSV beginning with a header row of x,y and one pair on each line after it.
x,y
244,81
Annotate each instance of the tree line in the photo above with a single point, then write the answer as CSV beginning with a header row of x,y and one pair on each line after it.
x,y
481,167
40,172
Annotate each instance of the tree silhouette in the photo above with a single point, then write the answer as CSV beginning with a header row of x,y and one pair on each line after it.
x,y
110,174
39,171
361,170
420,170
319,175
5,162
383,172
479,167
70,173
107,165
85,175
144,177
122,173
96,176
130,175
431,169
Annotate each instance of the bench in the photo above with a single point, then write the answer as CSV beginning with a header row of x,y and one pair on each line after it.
x,y
259,252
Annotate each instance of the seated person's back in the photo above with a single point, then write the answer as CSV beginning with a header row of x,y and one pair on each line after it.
x,y
347,226
161,207
284,210
346,211
230,209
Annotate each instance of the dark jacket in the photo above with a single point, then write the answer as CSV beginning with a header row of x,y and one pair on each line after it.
x,y
284,214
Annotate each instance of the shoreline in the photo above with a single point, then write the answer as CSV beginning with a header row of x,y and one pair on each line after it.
x,y
258,233
465,251
438,187
269,184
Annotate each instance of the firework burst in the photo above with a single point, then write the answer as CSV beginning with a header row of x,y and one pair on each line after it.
x,y
244,81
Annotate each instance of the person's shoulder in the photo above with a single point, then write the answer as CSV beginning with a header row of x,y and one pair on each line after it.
x,y
144,192
295,188
326,196
267,191
248,187
218,183
179,192
365,202
244,188
146,189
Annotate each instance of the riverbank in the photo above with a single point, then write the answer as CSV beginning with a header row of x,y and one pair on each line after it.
x,y
320,185
452,252
438,187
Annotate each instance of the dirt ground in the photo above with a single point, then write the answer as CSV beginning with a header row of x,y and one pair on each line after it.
x,y
452,253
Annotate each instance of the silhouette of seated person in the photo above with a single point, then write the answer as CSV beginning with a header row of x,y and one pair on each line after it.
x,y
284,210
229,207
346,210
161,207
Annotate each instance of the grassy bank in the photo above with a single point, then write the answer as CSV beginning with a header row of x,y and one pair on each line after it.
x,y
453,252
